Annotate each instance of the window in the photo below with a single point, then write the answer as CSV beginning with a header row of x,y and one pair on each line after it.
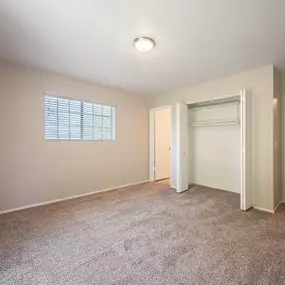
x,y
67,119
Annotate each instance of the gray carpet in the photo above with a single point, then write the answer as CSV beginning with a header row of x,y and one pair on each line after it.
x,y
144,234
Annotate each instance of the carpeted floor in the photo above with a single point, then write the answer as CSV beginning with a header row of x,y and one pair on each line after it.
x,y
144,234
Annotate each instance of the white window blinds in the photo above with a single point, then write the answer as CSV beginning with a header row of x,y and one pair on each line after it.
x,y
67,119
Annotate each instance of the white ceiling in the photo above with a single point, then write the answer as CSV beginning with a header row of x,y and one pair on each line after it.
x,y
197,40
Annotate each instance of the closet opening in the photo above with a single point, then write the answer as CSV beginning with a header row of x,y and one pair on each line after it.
x,y
214,145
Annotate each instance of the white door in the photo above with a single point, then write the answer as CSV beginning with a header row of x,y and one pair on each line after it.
x,y
162,143
247,133
182,147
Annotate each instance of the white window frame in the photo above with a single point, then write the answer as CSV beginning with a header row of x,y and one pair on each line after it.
x,y
59,96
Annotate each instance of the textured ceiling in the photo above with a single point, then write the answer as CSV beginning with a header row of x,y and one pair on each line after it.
x,y
197,40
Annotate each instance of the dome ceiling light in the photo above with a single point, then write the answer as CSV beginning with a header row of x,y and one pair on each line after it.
x,y
144,44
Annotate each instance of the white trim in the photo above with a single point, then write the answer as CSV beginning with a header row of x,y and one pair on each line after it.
x,y
247,174
269,211
182,146
60,95
182,191
278,206
212,187
69,198
264,210
160,108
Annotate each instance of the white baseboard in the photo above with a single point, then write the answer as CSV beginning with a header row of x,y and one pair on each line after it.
x,y
269,211
278,206
264,210
180,192
69,198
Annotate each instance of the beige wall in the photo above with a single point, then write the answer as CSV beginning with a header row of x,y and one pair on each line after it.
x,y
34,170
260,81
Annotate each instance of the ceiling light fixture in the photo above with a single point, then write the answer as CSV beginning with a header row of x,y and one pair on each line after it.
x,y
144,44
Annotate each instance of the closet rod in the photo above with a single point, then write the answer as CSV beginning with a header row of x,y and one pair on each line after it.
x,y
216,123
214,105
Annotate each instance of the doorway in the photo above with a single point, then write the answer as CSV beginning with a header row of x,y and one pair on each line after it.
x,y
160,141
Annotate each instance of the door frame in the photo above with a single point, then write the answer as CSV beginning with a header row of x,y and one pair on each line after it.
x,y
152,140
247,150
182,147
243,154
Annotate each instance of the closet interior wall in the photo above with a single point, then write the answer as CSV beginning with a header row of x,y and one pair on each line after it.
x,y
215,144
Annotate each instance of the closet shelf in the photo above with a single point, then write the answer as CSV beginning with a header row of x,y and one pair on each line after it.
x,y
215,123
